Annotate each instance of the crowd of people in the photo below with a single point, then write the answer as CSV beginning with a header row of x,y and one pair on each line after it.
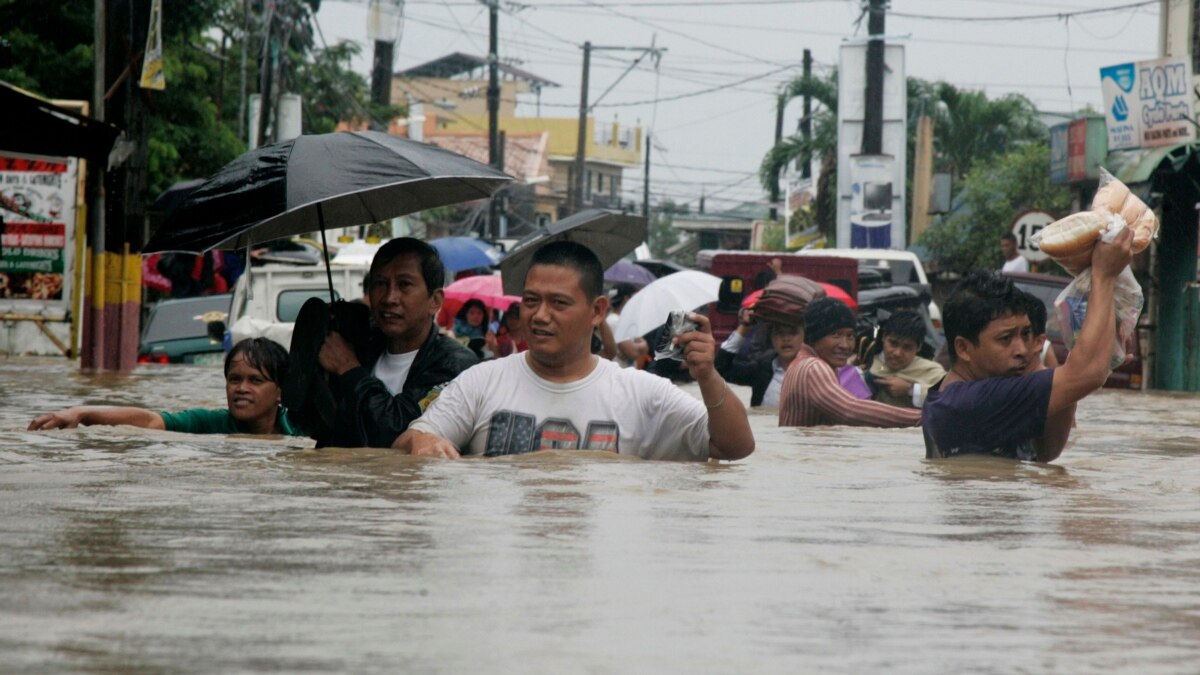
x,y
547,374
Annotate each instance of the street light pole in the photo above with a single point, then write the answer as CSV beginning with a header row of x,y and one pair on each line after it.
x,y
576,201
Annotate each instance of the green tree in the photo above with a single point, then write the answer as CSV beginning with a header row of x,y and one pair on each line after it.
x,y
662,234
993,193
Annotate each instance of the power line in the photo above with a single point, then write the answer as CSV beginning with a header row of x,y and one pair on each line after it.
x,y
1027,17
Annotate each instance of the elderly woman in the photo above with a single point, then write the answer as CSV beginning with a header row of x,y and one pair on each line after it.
x,y
254,369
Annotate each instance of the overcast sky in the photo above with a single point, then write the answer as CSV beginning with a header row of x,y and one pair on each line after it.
x,y
744,50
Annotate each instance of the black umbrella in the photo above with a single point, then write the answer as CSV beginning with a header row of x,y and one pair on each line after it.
x,y
319,181
609,234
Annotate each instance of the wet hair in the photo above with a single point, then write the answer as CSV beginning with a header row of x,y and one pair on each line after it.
x,y
432,270
1008,236
1036,311
266,355
577,257
473,302
904,325
824,316
978,299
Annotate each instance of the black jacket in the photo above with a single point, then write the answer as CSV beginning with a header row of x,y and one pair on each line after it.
x,y
369,416
754,369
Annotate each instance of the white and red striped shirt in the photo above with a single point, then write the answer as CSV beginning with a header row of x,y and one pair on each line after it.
x,y
813,396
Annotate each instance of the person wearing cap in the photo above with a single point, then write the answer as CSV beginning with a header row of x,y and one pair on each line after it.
x,y
558,395
812,395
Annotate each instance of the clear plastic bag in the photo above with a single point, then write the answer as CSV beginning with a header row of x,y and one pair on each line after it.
x,y
1071,306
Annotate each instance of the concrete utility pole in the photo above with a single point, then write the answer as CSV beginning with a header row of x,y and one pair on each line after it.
x,y
806,121
495,154
646,182
780,104
872,143
266,73
575,201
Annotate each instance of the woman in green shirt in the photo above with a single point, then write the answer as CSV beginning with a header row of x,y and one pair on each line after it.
x,y
254,369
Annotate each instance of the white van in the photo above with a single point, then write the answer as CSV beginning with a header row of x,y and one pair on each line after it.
x,y
905,266
267,298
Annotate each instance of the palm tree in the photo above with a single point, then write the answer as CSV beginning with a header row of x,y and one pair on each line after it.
x,y
968,128
822,144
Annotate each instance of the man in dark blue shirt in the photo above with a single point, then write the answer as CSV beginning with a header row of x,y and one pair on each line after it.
x,y
986,404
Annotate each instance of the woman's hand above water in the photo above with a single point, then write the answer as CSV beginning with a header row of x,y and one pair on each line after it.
x,y
89,415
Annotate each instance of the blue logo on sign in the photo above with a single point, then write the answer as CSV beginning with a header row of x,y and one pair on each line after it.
x,y
1120,111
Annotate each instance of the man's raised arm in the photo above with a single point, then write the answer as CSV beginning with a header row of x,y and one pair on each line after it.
x,y
729,431
1087,366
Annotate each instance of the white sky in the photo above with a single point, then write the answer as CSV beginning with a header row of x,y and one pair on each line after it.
x,y
714,142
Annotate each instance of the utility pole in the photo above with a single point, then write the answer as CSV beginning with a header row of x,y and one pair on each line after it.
x,y
780,103
576,202
872,143
92,354
806,121
646,182
495,156
266,72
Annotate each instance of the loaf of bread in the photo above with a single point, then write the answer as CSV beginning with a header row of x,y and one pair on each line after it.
x,y
1115,197
1073,235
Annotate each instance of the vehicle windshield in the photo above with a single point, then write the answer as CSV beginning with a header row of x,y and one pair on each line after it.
x,y
183,319
288,303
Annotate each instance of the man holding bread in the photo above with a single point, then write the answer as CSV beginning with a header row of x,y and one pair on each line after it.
x,y
986,405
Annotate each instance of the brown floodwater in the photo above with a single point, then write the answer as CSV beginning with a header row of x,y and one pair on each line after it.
x,y
834,549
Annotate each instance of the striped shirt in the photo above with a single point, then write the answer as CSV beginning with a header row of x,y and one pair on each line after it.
x,y
813,396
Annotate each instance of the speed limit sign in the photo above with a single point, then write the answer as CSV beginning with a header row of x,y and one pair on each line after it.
x,y
1024,227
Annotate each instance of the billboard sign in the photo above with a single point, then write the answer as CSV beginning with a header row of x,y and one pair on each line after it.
x,y
37,204
860,210
1148,103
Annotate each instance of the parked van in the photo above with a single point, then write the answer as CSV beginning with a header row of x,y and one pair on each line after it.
x,y
267,298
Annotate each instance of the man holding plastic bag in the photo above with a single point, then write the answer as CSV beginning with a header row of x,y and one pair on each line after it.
x,y
985,405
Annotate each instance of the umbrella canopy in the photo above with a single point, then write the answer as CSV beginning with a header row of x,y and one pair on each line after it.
x,y
834,291
609,234
487,288
464,253
317,181
648,308
175,195
626,272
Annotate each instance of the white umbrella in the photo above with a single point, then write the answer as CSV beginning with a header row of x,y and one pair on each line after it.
x,y
649,307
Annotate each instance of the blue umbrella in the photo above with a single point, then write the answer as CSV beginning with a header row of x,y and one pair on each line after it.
x,y
464,253
626,272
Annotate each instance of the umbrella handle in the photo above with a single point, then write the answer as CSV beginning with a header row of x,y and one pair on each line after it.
x,y
325,250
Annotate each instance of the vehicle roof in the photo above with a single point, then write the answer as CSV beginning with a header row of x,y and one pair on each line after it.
x,y
861,253
214,300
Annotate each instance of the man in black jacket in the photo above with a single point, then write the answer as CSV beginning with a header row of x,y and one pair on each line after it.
x,y
381,386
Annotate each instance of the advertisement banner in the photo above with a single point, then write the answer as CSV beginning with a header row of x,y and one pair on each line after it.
x,y
872,190
152,65
37,204
1058,153
851,111
1148,103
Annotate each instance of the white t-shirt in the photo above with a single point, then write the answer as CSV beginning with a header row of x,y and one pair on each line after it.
x,y
502,407
1017,264
392,369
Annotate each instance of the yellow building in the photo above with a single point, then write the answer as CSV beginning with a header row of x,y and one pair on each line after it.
x,y
450,94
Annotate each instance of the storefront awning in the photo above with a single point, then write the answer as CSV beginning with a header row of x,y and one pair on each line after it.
x,y
36,126
1136,166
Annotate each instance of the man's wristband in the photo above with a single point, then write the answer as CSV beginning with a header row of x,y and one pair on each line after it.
x,y
724,393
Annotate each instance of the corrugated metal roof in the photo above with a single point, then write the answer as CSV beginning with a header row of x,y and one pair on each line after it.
x,y
1136,166
459,63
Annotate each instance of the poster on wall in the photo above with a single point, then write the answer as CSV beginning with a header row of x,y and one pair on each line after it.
x,y
37,204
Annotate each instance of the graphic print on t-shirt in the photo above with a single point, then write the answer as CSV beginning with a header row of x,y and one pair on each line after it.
x,y
514,433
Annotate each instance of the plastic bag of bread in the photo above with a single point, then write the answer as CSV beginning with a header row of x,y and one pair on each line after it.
x,y
1070,240
1071,307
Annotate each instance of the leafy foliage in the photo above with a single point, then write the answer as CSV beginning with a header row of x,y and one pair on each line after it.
x,y
993,193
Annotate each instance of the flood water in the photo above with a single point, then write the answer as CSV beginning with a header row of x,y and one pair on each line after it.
x,y
124,550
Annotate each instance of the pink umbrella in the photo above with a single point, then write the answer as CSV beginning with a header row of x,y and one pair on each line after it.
x,y
487,288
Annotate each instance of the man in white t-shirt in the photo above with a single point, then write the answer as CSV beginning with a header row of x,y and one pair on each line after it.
x,y
1013,260
388,376
558,395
